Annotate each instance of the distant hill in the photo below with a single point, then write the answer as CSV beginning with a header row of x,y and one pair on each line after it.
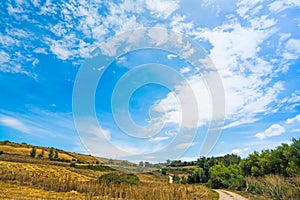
x,y
24,149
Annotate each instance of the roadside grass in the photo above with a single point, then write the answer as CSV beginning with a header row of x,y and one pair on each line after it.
x,y
274,187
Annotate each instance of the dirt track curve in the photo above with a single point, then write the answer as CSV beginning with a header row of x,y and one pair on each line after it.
x,y
226,195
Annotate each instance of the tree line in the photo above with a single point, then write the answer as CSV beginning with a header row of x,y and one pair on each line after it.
x,y
229,171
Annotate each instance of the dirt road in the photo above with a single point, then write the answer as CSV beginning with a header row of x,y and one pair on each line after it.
x,y
226,195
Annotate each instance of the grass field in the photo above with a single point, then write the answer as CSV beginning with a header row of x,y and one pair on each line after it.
x,y
30,180
24,177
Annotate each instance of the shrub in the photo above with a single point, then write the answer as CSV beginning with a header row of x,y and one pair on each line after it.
x,y
225,177
116,178
98,167
51,153
1,152
72,164
33,152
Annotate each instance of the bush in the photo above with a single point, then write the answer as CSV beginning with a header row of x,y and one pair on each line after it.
x,y
98,167
72,164
1,152
115,178
33,152
225,177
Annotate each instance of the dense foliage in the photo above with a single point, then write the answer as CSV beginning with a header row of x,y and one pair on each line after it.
x,y
284,160
229,171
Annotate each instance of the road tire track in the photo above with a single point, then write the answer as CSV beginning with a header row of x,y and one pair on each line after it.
x,y
227,195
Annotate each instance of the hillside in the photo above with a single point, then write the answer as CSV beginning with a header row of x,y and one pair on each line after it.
x,y
24,149
78,176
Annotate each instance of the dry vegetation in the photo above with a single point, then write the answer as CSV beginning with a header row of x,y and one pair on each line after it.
x,y
19,180
25,149
61,181
274,186
18,191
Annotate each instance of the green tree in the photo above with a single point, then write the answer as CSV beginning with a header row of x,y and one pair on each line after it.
x,y
56,154
225,177
141,164
33,152
51,153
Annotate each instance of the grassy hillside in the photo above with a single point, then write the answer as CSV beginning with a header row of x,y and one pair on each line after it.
x,y
25,149
25,177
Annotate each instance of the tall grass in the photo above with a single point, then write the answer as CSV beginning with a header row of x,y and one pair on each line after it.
x,y
62,180
274,186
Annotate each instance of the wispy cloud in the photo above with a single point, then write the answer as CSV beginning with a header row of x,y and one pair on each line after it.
x,y
273,130
185,145
14,123
162,8
158,139
240,151
293,120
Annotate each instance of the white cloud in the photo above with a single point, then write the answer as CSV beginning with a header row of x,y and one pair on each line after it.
x,y
170,56
159,36
162,8
4,57
262,22
185,145
40,50
240,151
248,7
97,131
281,5
14,123
158,139
175,101
273,130
184,70
244,73
60,51
179,24
292,49
293,120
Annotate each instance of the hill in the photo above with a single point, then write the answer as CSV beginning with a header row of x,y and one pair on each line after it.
x,y
77,176
24,149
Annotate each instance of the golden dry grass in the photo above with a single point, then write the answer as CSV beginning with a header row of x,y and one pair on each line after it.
x,y
59,180
17,191
274,186
24,150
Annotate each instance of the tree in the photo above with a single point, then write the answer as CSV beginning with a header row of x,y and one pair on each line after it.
x,y
51,153
225,177
33,152
147,164
43,152
141,164
56,154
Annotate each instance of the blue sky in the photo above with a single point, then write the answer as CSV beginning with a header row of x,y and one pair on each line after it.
x,y
254,46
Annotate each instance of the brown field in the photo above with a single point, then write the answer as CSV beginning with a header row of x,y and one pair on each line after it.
x,y
24,177
18,191
41,181
26,151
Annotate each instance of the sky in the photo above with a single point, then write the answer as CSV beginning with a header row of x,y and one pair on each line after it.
x,y
150,80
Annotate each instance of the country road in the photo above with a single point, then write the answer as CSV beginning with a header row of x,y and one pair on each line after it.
x,y
226,195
